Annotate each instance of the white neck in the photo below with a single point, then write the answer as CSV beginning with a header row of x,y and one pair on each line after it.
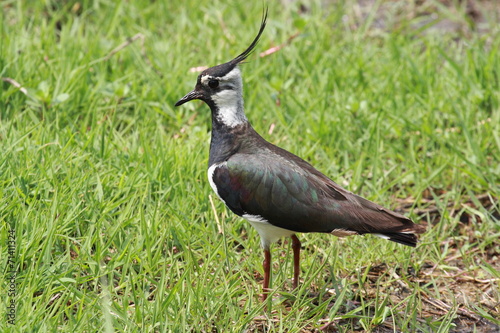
x,y
229,101
230,108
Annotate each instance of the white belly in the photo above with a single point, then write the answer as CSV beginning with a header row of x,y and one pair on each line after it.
x,y
268,232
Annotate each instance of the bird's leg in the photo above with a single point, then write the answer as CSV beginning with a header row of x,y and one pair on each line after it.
x,y
296,260
267,273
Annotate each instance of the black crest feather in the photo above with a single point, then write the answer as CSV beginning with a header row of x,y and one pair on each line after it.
x,y
250,49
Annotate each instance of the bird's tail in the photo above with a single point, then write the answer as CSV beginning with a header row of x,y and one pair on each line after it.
x,y
407,237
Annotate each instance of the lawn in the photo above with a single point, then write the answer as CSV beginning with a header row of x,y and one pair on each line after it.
x,y
107,219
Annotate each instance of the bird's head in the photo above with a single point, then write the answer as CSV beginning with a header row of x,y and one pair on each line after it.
x,y
221,86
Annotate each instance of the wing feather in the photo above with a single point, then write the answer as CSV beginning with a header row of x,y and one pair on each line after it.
x,y
295,196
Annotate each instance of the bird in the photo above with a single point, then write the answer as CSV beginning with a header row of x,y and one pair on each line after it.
x,y
279,193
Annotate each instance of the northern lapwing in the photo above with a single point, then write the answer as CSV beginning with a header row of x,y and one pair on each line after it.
x,y
279,193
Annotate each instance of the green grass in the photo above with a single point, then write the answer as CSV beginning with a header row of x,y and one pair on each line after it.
x,y
104,181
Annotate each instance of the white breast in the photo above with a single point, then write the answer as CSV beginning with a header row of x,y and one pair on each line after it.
x,y
211,171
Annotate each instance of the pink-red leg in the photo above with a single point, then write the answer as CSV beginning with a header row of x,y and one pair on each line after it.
x,y
267,273
296,260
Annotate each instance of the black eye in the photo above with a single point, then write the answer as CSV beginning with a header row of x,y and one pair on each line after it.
x,y
213,83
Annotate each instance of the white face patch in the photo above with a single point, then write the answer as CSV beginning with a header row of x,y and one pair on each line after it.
x,y
205,79
234,75
229,98
231,79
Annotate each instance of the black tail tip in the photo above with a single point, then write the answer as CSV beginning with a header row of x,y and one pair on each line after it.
x,y
407,237
401,238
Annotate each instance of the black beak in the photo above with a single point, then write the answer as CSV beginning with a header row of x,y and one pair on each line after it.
x,y
195,94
